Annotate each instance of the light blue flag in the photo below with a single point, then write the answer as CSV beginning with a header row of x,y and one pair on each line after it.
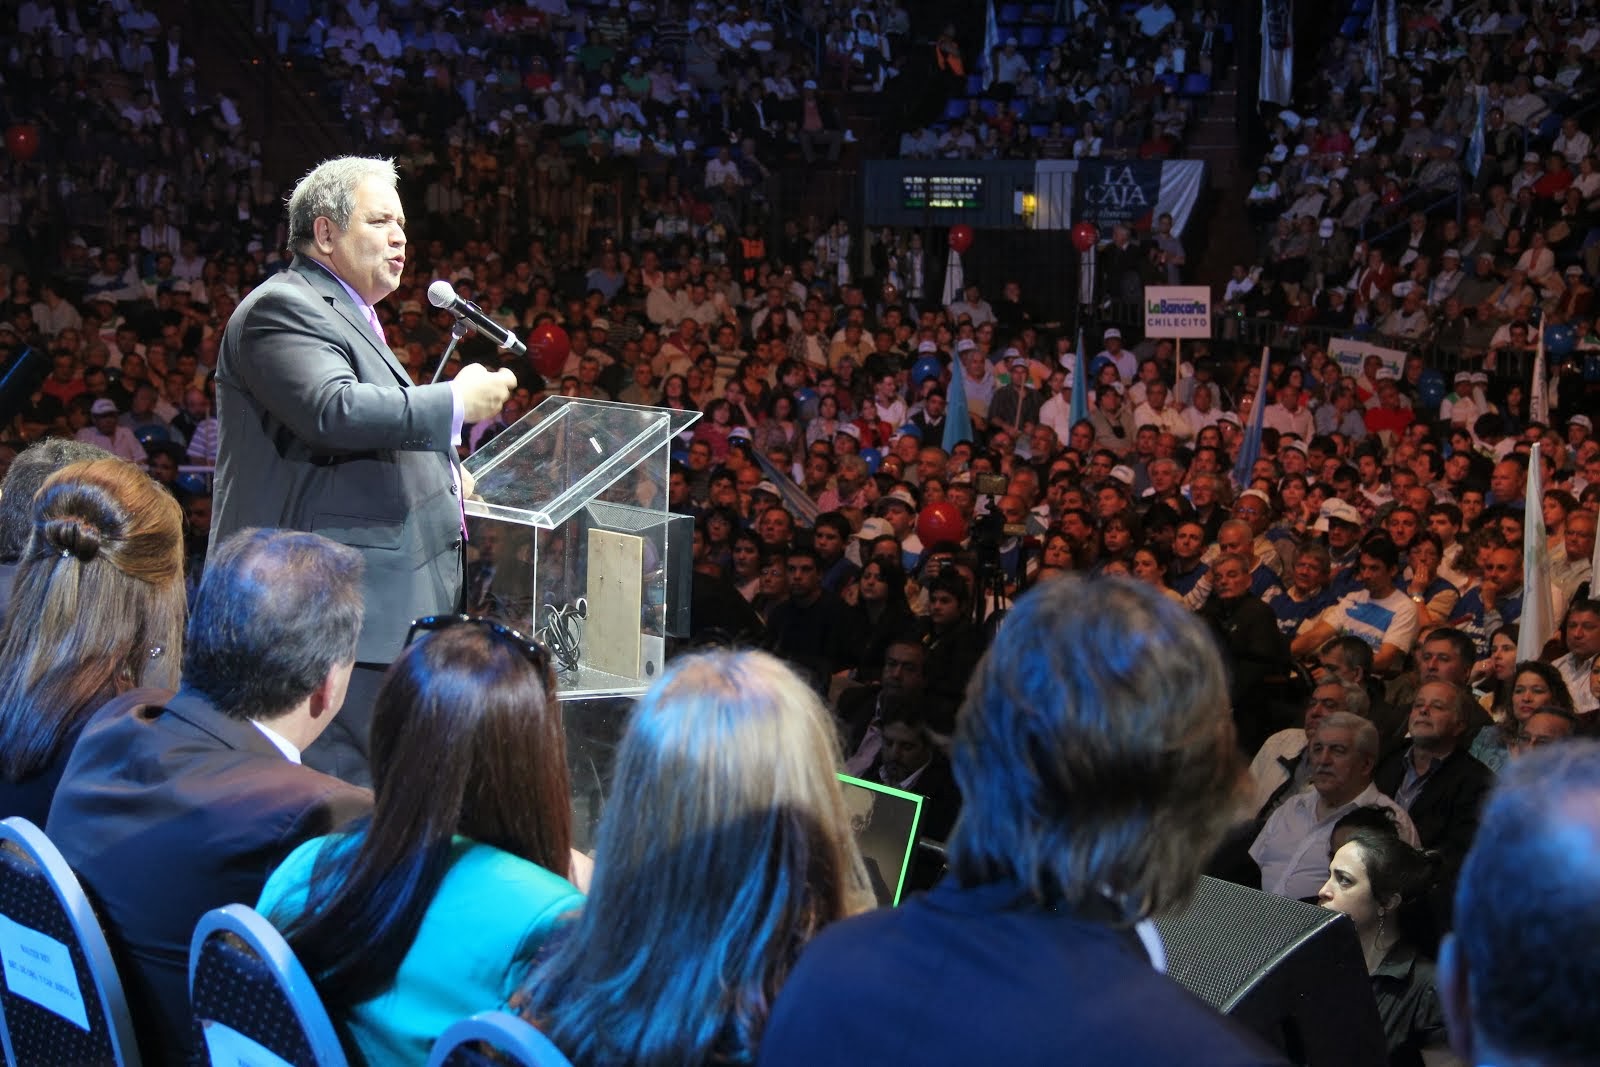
x,y
1475,146
1250,450
991,43
957,422
1078,408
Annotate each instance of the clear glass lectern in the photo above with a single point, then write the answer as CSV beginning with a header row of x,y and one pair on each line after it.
x,y
573,543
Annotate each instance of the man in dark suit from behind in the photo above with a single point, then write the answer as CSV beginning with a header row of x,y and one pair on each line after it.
x,y
1098,770
1527,935
168,812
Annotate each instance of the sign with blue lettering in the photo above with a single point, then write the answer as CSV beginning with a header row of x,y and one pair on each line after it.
x,y
1177,311
39,968
1118,194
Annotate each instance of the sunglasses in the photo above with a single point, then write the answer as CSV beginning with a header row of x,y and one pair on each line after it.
x,y
535,652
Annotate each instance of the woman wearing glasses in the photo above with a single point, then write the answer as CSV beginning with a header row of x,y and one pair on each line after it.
x,y
430,910
725,849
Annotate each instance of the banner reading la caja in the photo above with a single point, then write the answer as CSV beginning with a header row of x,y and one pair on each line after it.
x,y
1121,193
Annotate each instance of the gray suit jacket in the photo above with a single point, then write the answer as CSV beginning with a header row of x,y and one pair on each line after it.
x,y
323,430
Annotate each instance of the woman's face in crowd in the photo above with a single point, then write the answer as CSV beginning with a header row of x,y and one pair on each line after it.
x,y
1347,890
1529,691
1502,656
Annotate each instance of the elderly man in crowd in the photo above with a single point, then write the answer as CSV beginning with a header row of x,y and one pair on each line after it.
x,y
1292,848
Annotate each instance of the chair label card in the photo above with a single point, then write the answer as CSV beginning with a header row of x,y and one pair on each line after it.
x,y
227,1047
39,968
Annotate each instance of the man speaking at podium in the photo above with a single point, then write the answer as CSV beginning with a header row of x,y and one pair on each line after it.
x,y
323,430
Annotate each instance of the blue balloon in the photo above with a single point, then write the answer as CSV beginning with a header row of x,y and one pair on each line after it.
x,y
805,396
872,457
1560,340
925,368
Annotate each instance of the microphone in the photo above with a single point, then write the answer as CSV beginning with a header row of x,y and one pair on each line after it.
x,y
441,294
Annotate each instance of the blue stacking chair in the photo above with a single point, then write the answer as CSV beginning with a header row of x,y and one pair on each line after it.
x,y
495,1039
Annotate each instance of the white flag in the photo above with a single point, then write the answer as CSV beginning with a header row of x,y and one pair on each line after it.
x,y
1537,623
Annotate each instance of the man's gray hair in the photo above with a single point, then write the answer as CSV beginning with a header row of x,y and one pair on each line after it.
x,y
1364,733
1356,700
330,191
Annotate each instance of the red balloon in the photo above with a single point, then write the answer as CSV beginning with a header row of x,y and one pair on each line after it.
x,y
961,238
1085,235
1391,198
548,348
22,141
941,522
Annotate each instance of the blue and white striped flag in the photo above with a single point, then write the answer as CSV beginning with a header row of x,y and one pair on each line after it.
x,y
1538,621
991,43
1078,408
1250,448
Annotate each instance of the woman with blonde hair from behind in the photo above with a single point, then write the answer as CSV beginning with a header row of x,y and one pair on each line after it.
x,y
725,846
97,610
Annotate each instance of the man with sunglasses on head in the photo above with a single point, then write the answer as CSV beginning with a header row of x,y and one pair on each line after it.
x,y
167,811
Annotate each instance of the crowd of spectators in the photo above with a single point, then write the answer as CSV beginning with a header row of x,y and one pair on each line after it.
x,y
1378,537
1113,82
1383,206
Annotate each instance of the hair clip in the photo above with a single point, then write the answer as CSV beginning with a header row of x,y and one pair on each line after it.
x,y
65,552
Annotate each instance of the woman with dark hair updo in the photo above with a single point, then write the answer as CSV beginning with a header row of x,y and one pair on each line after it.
x,y
1375,878
97,610
430,910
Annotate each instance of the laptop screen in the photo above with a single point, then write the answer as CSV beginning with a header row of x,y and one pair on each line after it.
x,y
884,820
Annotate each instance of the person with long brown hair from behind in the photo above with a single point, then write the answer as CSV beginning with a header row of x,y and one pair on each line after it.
x,y
97,610
431,910
724,847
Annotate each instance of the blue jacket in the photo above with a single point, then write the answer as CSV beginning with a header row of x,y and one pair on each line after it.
x,y
979,976
489,917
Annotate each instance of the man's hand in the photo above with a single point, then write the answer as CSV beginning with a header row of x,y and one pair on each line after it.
x,y
469,484
483,391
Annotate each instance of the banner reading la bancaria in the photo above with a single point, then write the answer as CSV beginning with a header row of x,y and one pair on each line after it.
x,y
1118,194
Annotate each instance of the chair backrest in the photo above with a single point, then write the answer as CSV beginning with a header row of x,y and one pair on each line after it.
x,y
249,994
494,1039
61,1001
